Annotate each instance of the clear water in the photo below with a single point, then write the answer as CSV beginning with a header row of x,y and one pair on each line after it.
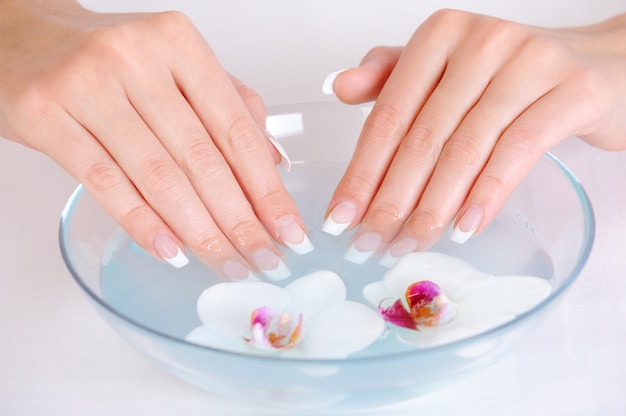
x,y
162,298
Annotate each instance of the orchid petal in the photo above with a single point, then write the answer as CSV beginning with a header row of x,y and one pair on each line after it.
x,y
375,292
453,275
341,329
506,295
225,308
484,308
311,293
202,336
459,328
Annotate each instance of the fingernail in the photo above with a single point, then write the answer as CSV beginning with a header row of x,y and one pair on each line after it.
x,y
169,251
467,225
398,249
340,218
363,248
285,161
294,236
235,270
328,87
270,264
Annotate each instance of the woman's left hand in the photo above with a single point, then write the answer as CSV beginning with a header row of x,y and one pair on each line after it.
x,y
461,115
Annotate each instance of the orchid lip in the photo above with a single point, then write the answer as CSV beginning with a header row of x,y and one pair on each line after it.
x,y
268,332
427,306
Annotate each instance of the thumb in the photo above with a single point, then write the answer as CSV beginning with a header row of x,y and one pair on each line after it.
x,y
364,83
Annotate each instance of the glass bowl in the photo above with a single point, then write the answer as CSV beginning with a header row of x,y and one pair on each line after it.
x,y
546,229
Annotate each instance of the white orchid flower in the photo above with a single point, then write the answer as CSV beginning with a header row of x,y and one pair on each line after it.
x,y
438,299
309,318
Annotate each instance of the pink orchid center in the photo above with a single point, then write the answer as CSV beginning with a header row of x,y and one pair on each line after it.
x,y
427,306
270,332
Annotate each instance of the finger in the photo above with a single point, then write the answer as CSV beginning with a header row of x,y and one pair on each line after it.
x,y
238,137
194,151
387,124
159,179
364,83
411,170
551,119
516,87
253,101
92,165
256,107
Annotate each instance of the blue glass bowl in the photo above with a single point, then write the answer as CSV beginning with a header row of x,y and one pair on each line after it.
x,y
545,229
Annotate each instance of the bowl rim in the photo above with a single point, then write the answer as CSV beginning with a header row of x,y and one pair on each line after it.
x,y
583,256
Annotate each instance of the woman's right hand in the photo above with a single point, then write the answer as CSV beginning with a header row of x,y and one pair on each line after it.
x,y
138,109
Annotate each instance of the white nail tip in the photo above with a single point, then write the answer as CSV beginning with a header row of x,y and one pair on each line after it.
x,y
357,257
328,85
334,228
178,261
281,272
461,237
388,260
285,161
301,248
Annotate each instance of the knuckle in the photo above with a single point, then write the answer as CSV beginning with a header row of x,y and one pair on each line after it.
x,y
103,176
272,196
212,245
200,158
379,51
139,222
421,143
521,142
244,136
384,121
161,177
244,233
359,183
502,30
491,187
462,151
386,213
444,15
172,21
250,96
425,222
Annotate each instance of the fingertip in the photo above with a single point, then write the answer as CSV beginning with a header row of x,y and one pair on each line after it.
x,y
279,154
328,86
169,251
467,224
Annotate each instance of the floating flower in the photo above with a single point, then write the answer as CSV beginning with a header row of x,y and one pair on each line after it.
x,y
427,306
308,318
457,302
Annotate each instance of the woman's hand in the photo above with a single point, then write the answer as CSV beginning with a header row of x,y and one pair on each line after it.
x,y
138,109
461,115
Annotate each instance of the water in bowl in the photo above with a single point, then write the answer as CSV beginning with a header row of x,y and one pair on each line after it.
x,y
162,298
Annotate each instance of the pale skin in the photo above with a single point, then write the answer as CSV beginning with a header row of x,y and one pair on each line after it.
x,y
138,109
462,113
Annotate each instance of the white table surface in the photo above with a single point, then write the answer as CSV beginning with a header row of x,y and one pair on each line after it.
x,y
58,357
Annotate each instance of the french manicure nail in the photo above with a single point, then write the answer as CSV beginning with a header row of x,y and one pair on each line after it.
x,y
285,161
328,87
340,218
270,264
235,270
363,248
467,224
169,251
398,249
294,236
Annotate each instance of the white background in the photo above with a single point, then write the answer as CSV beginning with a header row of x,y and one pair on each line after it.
x,y
57,357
